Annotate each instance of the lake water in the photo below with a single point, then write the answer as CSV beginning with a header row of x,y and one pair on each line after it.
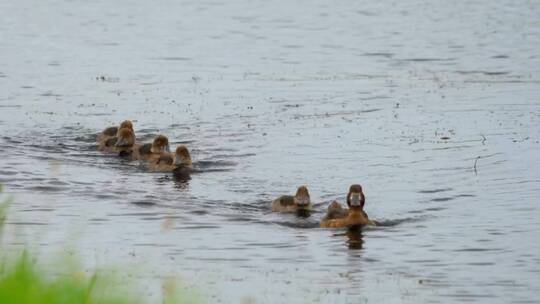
x,y
434,107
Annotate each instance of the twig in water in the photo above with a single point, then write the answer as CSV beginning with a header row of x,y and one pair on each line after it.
x,y
484,139
476,172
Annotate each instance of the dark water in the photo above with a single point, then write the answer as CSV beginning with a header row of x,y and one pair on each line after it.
x,y
432,106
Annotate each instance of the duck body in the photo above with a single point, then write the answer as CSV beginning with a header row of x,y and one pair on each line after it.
x,y
169,162
163,163
290,204
107,133
284,203
336,211
152,152
338,216
178,162
107,144
145,151
346,218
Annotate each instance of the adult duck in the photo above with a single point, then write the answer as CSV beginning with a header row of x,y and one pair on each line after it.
x,y
338,217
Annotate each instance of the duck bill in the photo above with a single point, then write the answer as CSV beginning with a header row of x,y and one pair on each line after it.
x,y
356,200
178,161
122,143
303,202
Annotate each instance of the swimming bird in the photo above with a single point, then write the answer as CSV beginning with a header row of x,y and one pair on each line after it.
x,y
125,144
107,139
178,162
158,148
288,203
113,131
337,216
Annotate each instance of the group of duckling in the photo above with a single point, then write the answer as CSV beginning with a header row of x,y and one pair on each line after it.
x,y
158,158
157,155
337,216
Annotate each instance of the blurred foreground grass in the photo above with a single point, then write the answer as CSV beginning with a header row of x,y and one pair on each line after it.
x,y
23,282
3,211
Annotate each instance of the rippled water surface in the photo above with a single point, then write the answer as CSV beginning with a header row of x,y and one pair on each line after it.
x,y
434,107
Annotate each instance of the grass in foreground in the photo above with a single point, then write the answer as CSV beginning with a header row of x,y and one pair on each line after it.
x,y
22,282
3,211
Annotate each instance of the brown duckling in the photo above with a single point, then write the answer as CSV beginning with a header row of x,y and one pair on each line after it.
x,y
107,145
180,160
113,131
338,216
158,148
288,203
125,144
335,211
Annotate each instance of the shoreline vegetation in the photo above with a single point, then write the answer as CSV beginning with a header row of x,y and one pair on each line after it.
x,y
23,281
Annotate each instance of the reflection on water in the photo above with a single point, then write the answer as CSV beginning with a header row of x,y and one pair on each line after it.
x,y
354,238
432,107
303,213
181,183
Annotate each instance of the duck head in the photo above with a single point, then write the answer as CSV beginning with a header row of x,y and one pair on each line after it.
x,y
335,206
160,145
126,138
126,124
355,197
125,141
182,157
301,198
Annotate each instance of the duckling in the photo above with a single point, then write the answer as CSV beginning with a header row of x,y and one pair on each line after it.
x,y
288,203
335,211
107,139
113,131
158,148
179,161
338,216
125,144
107,144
